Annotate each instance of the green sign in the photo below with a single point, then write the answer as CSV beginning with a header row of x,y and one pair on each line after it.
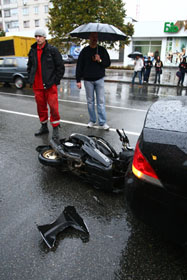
x,y
169,27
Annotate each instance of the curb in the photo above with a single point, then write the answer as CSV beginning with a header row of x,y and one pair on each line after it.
x,y
129,82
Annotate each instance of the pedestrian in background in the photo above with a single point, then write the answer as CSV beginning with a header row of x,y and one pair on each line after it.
x,y
158,69
138,65
148,66
45,70
143,69
183,70
91,65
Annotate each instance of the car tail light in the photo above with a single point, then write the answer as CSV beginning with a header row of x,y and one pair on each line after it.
x,y
142,168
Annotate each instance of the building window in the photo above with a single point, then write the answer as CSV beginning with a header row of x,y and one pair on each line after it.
x,y
46,21
26,24
11,24
5,2
175,51
14,12
46,9
36,10
25,11
6,13
37,22
147,48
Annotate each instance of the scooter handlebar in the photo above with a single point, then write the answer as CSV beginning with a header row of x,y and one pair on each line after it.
x,y
119,133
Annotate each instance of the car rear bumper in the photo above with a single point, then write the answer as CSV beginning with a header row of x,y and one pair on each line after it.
x,y
155,206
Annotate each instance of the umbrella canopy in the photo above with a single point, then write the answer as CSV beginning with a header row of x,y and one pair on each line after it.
x,y
135,54
106,32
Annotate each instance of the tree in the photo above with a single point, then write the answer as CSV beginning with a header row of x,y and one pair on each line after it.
x,y
66,15
2,33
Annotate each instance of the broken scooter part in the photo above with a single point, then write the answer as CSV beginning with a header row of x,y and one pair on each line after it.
x,y
68,218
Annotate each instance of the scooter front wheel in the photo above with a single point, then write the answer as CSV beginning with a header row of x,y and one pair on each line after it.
x,y
49,157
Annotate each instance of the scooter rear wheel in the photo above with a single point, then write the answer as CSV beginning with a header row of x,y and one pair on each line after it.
x,y
49,157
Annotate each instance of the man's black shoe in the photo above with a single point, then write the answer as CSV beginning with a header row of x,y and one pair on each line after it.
x,y
55,132
43,130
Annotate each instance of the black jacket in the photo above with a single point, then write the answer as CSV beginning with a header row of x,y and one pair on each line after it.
x,y
51,62
158,65
87,68
183,67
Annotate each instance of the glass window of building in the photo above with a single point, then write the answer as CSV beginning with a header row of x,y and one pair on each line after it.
x,y
175,50
37,22
36,10
6,13
26,24
46,8
14,12
5,2
147,48
11,24
25,11
15,24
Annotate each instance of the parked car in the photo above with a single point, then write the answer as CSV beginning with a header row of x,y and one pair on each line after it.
x,y
156,181
14,70
67,58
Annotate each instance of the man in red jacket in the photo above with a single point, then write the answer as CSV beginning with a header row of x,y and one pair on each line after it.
x,y
45,70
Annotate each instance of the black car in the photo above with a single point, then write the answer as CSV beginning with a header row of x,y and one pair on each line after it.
x,y
14,70
156,181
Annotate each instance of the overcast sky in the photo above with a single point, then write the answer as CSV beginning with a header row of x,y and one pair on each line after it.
x,y
156,10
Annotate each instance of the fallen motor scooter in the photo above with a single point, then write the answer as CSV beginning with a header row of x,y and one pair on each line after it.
x,y
91,158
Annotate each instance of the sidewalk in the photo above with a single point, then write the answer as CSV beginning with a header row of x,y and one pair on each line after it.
x,y
168,78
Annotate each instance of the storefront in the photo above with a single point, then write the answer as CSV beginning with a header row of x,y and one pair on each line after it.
x,y
166,39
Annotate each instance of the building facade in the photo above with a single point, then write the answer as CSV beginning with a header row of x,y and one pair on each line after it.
x,y
168,39
23,16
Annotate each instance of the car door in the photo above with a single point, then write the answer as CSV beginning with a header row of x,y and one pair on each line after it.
x,y
10,67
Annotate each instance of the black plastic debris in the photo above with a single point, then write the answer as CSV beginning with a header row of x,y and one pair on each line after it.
x,y
68,218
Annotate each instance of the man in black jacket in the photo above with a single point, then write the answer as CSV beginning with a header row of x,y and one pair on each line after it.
x,y
91,65
45,70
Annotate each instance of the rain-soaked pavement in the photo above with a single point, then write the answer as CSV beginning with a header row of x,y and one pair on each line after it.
x,y
119,246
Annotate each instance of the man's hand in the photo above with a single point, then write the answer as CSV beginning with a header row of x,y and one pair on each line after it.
x,y
97,58
79,85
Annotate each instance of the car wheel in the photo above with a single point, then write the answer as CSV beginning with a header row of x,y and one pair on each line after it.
x,y
49,157
19,83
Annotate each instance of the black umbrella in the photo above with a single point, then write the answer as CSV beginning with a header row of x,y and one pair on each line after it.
x,y
135,54
106,32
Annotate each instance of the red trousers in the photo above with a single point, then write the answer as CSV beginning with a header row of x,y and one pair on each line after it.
x,y
47,96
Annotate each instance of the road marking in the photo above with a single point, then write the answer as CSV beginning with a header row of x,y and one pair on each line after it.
x,y
64,121
78,102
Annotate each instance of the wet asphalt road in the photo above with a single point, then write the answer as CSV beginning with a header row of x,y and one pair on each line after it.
x,y
119,246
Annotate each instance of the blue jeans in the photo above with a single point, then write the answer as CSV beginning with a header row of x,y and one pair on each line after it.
x,y
139,76
98,87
